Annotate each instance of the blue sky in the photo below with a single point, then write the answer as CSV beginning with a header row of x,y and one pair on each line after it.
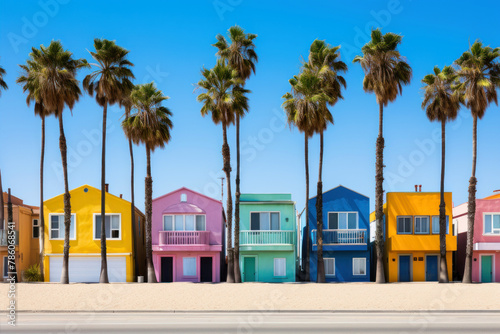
x,y
170,41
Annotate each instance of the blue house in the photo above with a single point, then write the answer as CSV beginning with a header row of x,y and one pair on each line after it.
x,y
346,232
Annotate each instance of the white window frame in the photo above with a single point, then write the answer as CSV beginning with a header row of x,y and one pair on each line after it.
x,y
274,266
492,228
358,258
347,223
324,264
59,215
183,222
5,266
195,266
268,212
183,198
404,233
107,214
33,228
447,223
429,226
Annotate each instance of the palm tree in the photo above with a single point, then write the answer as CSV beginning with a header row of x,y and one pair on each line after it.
x,y
58,87
441,103
240,55
222,95
31,74
3,84
108,82
149,125
479,73
386,71
324,61
301,109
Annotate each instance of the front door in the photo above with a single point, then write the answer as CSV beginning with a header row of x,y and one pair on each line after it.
x,y
486,268
206,269
249,269
404,268
167,269
431,268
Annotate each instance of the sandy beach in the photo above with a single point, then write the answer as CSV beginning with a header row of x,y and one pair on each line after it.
x,y
253,296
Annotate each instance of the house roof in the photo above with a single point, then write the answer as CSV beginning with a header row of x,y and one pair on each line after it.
x,y
324,192
184,188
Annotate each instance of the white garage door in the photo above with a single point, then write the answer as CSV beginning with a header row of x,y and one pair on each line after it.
x,y
88,268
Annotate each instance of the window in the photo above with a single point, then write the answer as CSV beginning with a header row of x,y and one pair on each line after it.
x,y
184,223
279,267
435,224
404,225
359,266
422,225
265,221
5,266
183,198
112,226
491,223
57,227
342,220
329,266
189,266
36,228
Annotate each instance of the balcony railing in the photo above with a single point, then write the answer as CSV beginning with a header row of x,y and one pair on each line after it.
x,y
266,237
184,238
4,241
341,237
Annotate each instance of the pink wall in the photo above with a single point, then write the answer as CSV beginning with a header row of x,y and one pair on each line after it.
x,y
177,265
212,208
476,271
482,206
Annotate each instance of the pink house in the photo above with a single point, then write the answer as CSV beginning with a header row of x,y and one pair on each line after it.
x,y
188,237
486,239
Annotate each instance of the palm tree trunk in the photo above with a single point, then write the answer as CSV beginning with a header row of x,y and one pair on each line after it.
x,y
379,198
10,217
104,264
41,218
443,267
67,201
319,215
306,232
471,207
132,205
227,169
149,210
237,271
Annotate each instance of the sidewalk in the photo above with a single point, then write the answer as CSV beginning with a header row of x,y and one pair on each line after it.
x,y
253,296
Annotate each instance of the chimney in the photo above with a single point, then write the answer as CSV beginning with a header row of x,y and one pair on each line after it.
x,y
416,188
121,195
106,187
495,191
420,188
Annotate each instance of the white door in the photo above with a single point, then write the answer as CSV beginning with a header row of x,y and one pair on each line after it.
x,y
88,268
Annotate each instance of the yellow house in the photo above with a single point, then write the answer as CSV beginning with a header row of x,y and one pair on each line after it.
x,y
412,236
124,242
26,224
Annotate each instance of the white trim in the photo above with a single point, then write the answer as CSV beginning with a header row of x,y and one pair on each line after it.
x,y
487,246
492,267
33,226
492,228
274,266
338,221
411,266
50,226
89,254
405,233
270,223
110,223
429,227
334,271
358,258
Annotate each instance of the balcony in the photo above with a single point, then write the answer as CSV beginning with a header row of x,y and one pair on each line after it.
x,y
4,237
180,238
342,239
267,240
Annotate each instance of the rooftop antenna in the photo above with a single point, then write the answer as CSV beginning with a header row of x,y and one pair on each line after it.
x,y
221,188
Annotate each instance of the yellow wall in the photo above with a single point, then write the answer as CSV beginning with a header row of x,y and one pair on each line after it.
x,y
84,205
415,204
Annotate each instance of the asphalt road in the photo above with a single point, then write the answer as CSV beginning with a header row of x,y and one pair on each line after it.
x,y
255,322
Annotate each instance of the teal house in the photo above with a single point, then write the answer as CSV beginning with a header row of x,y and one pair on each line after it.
x,y
268,238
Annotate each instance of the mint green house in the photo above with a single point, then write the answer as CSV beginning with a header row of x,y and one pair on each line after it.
x,y
268,238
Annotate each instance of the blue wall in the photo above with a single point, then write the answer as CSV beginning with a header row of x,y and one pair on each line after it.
x,y
341,199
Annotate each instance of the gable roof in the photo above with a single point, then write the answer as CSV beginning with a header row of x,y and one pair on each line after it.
x,y
341,186
184,188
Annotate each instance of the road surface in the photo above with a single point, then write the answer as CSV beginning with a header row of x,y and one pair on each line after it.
x,y
255,322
